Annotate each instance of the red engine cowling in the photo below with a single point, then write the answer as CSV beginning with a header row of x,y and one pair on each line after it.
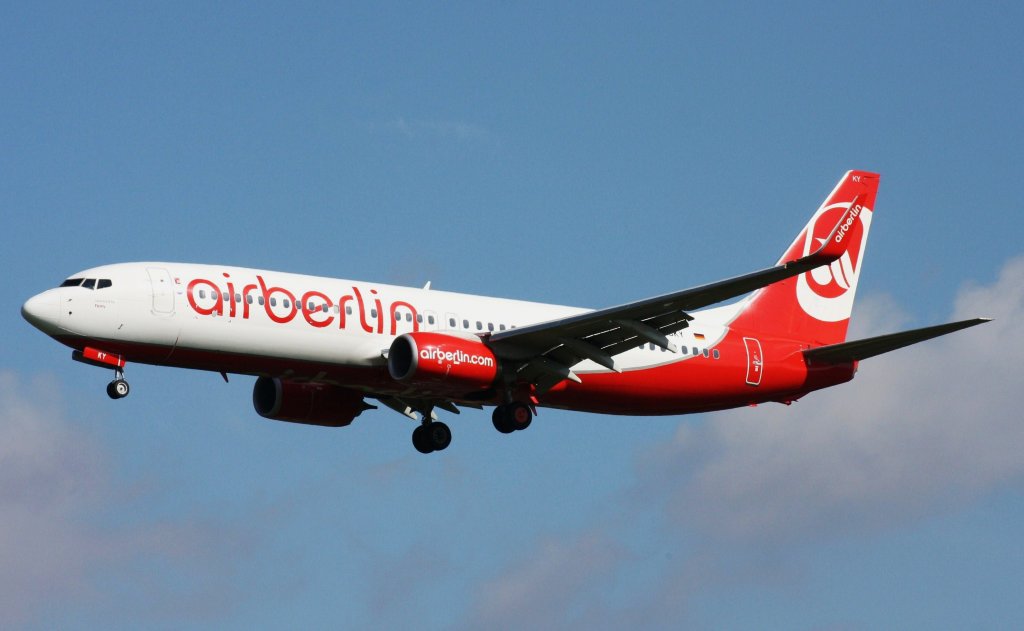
x,y
307,403
435,363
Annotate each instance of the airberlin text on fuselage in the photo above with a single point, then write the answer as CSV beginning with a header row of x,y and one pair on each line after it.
x,y
282,306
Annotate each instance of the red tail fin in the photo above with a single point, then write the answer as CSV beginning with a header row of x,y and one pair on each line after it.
x,y
816,306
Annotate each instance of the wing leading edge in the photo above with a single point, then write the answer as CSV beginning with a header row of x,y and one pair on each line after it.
x,y
549,350
872,346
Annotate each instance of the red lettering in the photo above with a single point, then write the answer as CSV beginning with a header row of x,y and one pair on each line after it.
x,y
218,306
362,311
268,293
380,312
341,310
395,317
245,300
319,316
231,297
308,314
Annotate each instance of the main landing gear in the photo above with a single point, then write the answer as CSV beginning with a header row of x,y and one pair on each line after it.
x,y
118,388
511,417
431,436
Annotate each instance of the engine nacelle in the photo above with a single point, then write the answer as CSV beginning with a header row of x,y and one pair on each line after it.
x,y
435,363
307,403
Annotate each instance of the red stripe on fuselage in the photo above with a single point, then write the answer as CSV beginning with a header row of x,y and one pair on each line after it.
x,y
692,384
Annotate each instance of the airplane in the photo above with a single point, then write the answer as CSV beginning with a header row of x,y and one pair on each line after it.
x,y
320,348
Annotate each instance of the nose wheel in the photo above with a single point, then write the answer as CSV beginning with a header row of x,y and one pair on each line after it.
x,y
118,388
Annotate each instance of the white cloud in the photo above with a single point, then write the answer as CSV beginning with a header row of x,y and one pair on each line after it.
x,y
543,589
919,431
63,529
49,472
742,493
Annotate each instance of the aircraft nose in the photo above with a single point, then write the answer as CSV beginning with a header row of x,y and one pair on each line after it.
x,y
42,311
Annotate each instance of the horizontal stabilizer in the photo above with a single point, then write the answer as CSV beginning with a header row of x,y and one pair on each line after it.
x,y
863,349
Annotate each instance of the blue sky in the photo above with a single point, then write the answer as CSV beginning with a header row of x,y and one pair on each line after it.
x,y
582,154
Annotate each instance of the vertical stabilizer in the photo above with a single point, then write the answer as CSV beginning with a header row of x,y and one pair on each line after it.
x,y
816,305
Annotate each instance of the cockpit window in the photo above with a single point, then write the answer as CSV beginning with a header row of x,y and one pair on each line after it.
x,y
72,282
104,283
90,283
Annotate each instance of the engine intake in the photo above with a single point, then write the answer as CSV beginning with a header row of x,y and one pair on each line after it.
x,y
306,403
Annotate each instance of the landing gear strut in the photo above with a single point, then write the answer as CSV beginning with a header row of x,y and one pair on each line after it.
x,y
511,417
118,388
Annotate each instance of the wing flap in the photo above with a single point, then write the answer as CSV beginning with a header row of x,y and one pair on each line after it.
x,y
872,346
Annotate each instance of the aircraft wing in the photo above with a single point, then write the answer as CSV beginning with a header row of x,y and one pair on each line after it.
x,y
872,346
548,350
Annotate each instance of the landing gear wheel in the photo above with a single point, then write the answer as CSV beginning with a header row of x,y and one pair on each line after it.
x,y
420,440
433,436
118,389
501,421
511,417
439,435
520,415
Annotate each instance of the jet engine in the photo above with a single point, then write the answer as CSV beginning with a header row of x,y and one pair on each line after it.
x,y
307,403
440,364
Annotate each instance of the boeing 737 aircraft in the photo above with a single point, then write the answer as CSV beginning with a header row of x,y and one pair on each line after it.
x,y
321,348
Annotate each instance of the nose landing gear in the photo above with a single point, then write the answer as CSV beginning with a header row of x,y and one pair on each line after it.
x,y
118,388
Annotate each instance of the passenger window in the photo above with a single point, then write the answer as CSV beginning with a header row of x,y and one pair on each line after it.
x,y
451,322
706,353
695,351
348,310
479,325
684,350
225,297
501,327
202,293
72,282
419,318
238,297
490,326
373,313
90,283
260,299
465,324
716,355
104,283
287,303
248,299
430,319
273,302
408,318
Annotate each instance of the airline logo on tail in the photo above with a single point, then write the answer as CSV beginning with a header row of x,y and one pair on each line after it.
x,y
826,293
